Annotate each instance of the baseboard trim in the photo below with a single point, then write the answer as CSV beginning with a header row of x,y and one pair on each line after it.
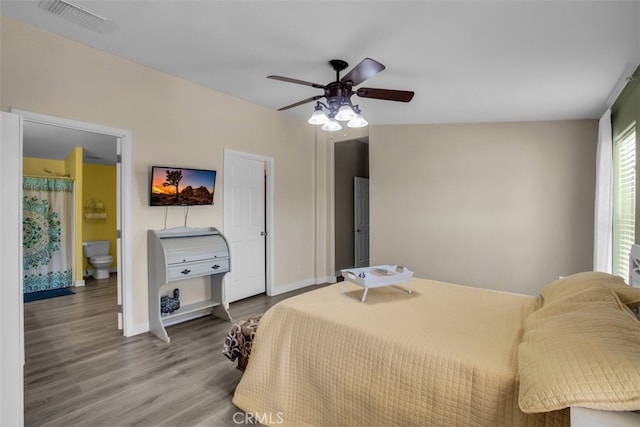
x,y
277,290
79,283
141,328
326,279
301,284
138,328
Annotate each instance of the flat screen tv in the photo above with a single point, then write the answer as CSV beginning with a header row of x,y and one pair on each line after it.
x,y
181,186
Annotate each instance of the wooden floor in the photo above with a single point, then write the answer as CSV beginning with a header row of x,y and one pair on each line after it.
x,y
81,371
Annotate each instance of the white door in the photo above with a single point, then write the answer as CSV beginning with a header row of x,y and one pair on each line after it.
x,y
244,226
361,221
11,308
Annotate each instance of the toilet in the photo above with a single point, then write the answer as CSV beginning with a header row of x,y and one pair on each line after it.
x,y
98,253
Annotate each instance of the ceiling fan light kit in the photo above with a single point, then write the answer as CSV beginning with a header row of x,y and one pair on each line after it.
x,y
338,95
357,122
332,125
345,113
319,117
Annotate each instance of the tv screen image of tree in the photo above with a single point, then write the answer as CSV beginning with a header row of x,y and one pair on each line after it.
x,y
181,187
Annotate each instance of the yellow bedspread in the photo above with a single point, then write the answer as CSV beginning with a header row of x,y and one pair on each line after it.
x,y
444,355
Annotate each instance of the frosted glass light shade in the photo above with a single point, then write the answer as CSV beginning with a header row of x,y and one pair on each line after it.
x,y
345,113
357,122
318,117
332,125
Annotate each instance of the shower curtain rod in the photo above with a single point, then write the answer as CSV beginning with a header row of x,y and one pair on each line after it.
x,y
48,176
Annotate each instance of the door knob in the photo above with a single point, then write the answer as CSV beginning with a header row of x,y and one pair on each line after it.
x,y
263,233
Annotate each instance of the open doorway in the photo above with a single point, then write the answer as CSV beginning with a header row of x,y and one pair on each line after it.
x,y
351,160
86,163
106,153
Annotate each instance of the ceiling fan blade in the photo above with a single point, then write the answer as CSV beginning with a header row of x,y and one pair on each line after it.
x,y
300,82
304,101
366,69
386,94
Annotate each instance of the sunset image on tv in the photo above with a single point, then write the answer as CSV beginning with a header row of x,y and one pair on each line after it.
x,y
182,187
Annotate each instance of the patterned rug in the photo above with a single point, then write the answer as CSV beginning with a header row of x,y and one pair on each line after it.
x,y
51,293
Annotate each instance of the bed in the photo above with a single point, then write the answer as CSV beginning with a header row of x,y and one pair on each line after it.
x,y
445,355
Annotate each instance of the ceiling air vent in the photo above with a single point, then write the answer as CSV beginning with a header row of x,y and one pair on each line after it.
x,y
78,15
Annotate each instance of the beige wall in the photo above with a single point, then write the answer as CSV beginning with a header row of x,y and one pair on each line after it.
x,y
504,206
507,206
173,122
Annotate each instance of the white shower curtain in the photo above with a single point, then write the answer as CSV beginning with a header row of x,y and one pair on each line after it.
x,y
47,223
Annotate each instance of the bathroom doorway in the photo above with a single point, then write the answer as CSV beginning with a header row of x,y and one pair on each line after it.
x,y
102,147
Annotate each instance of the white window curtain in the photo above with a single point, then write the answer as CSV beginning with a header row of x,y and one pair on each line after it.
x,y
624,199
602,248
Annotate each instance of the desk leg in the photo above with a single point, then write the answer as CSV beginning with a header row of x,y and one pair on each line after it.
x,y
364,295
221,312
161,333
155,318
218,295
344,286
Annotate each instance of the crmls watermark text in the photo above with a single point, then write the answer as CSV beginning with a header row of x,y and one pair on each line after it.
x,y
268,418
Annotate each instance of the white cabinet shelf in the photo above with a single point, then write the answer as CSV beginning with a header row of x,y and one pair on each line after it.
x,y
184,253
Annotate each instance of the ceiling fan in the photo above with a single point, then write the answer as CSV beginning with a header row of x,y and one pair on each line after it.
x,y
339,92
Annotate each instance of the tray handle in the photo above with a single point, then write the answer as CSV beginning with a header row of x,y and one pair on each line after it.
x,y
351,274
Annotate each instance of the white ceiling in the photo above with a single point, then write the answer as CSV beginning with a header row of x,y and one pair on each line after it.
x,y
474,61
53,142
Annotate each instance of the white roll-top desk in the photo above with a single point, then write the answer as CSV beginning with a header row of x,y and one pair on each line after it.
x,y
183,253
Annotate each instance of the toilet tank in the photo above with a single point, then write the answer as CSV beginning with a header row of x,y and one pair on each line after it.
x,y
95,247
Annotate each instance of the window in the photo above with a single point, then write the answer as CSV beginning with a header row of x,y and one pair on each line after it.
x,y
624,198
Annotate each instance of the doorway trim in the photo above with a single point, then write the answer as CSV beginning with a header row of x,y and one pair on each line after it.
x,y
269,172
124,269
11,306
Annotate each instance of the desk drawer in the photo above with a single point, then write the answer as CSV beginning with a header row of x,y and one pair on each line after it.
x,y
195,269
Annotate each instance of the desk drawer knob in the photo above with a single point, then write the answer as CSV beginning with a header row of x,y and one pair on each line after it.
x,y
215,267
185,271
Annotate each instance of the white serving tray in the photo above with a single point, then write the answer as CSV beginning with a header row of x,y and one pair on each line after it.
x,y
377,276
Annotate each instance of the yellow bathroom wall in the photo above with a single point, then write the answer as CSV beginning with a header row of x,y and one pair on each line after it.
x,y
99,185
34,166
73,166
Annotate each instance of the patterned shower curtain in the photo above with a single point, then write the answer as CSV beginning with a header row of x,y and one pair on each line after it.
x,y
46,228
